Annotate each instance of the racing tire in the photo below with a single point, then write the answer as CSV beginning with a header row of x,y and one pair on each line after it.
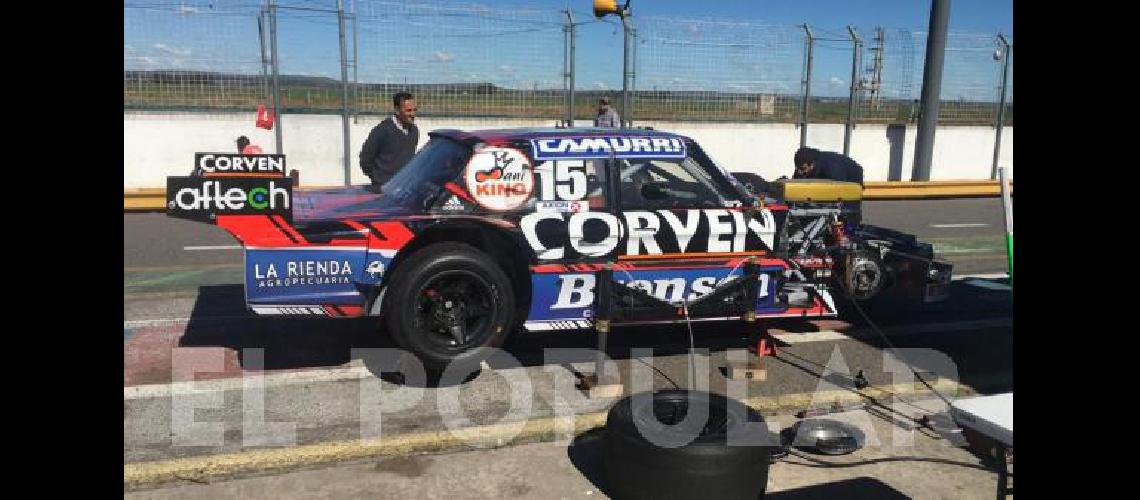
x,y
704,467
446,286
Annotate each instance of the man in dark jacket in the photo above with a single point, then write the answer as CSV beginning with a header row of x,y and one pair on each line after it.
x,y
391,143
815,164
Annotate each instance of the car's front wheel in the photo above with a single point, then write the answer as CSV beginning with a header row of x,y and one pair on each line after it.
x,y
447,302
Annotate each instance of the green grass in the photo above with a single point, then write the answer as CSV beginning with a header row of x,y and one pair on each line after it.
x,y
648,105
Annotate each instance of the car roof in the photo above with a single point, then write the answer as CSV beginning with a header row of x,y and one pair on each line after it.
x,y
509,135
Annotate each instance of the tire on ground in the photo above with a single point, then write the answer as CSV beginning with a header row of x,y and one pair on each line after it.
x,y
405,292
652,461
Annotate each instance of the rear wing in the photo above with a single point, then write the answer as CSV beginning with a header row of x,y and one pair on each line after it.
x,y
224,184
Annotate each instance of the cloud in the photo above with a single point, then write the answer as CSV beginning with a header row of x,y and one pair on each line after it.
x,y
407,60
835,81
441,56
186,10
600,85
506,69
171,50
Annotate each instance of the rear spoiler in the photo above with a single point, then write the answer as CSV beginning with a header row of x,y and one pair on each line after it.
x,y
224,184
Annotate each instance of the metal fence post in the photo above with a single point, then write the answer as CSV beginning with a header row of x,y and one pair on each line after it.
x,y
626,119
806,93
264,62
568,76
856,88
632,73
344,92
355,67
276,74
1000,124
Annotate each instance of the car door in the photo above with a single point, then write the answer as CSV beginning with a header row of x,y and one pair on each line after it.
x,y
573,229
688,241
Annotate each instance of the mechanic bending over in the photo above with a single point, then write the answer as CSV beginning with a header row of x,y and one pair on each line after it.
x,y
812,163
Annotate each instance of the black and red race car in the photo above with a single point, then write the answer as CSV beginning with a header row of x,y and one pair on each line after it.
x,y
486,232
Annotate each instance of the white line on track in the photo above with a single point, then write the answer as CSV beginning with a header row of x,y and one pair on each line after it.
x,y
214,247
354,371
984,276
141,323
895,331
972,224
989,285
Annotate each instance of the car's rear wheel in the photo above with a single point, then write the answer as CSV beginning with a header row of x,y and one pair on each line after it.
x,y
447,303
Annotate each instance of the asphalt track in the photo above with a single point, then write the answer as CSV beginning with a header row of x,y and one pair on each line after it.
x,y
184,313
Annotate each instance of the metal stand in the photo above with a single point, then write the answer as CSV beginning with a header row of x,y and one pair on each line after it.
x,y
1003,488
599,385
765,346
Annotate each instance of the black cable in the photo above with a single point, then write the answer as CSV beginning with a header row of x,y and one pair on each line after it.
x,y
894,351
692,348
826,464
659,372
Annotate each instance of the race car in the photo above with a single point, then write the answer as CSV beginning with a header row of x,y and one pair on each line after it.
x,y
487,232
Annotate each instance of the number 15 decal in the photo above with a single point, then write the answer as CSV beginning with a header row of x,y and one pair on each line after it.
x,y
561,180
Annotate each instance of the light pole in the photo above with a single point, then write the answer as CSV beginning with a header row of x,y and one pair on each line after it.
x,y
601,9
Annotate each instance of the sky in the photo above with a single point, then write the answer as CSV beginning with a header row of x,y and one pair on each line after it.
x,y
726,45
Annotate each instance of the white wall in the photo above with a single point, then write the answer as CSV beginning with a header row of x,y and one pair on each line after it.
x,y
157,145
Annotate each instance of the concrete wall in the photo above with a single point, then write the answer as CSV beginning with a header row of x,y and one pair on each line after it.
x,y
157,145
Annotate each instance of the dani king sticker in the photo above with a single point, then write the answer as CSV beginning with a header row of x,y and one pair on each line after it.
x,y
500,178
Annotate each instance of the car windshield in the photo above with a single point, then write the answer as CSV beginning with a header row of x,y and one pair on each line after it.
x,y
716,174
421,180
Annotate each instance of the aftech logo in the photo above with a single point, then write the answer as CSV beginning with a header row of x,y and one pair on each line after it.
x,y
201,199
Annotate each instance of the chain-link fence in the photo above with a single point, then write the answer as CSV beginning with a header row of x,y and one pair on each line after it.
x,y
192,56
506,61
711,70
890,84
971,78
462,60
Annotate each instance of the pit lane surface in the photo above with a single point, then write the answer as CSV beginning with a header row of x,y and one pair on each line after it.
x,y
188,303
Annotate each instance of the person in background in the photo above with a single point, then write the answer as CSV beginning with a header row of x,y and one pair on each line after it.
x,y
392,142
812,163
607,117
247,148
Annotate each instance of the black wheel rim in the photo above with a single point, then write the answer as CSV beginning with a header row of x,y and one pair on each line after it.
x,y
671,412
454,309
